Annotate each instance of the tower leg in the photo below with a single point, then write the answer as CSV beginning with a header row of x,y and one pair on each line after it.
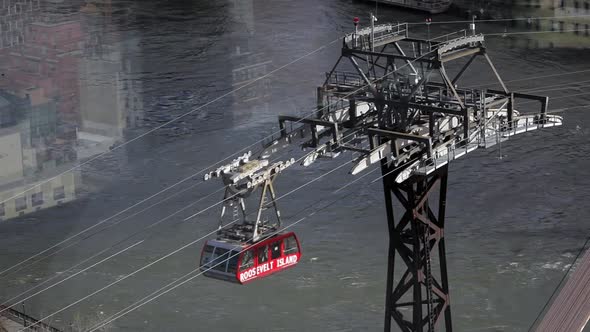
x,y
418,300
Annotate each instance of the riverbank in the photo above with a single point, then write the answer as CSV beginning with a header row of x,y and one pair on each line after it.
x,y
539,25
12,320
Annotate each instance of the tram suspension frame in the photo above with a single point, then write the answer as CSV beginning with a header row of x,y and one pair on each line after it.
x,y
257,229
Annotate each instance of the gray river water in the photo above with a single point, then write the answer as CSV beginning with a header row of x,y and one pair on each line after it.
x,y
124,68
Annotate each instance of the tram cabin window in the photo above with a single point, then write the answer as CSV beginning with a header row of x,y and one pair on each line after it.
x,y
275,250
247,260
207,254
291,246
232,263
219,259
262,254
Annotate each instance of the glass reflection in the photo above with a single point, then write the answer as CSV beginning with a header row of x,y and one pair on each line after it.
x,y
66,95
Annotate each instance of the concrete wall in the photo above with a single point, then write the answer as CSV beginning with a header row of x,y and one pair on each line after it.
x,y
40,196
11,156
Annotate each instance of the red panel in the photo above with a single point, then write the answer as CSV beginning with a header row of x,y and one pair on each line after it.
x,y
271,266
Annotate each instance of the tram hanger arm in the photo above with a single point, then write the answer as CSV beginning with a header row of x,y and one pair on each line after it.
x,y
309,126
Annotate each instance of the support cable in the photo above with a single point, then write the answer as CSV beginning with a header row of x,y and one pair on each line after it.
x,y
16,299
176,250
192,175
192,216
536,77
178,118
177,283
555,111
187,178
6,303
385,75
169,187
109,226
99,231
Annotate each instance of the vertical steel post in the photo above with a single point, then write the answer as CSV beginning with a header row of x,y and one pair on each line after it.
x,y
442,206
391,251
372,33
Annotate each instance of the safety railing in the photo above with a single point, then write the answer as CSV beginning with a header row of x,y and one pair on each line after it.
x,y
450,36
381,35
346,79
501,132
464,41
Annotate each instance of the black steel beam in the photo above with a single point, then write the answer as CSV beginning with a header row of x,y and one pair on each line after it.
x,y
436,109
396,135
495,72
370,84
350,52
459,54
497,102
313,122
458,76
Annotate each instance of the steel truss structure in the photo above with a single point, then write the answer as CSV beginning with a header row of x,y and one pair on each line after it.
x,y
391,99
414,238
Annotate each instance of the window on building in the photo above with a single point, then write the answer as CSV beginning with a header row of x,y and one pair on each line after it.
x,y
20,203
576,5
586,6
562,4
587,30
561,26
37,199
2,210
59,193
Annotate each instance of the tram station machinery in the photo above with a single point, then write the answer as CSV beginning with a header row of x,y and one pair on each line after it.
x,y
392,101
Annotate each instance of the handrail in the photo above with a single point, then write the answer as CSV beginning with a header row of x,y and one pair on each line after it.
x,y
10,313
362,38
346,78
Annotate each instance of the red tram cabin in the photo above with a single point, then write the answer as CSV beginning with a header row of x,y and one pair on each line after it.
x,y
242,262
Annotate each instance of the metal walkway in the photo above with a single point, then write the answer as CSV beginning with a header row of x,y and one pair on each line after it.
x,y
14,320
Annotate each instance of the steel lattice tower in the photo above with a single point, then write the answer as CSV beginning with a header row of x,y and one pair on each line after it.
x,y
391,99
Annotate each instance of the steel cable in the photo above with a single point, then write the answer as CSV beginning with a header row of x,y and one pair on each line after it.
x,y
161,291
125,239
357,90
180,248
203,170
